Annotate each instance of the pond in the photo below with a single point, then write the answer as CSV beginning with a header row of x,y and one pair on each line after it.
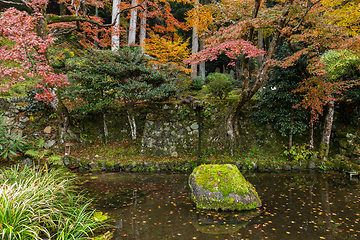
x,y
295,205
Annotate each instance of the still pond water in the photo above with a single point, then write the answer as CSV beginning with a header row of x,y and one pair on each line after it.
x,y
295,206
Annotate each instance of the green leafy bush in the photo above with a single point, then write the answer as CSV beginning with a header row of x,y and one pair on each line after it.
x,y
197,83
212,76
219,84
298,153
10,143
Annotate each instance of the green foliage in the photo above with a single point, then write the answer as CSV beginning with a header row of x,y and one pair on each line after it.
x,y
197,83
106,236
55,159
102,78
59,56
343,63
44,155
10,143
43,205
219,85
277,100
212,76
41,143
299,153
38,155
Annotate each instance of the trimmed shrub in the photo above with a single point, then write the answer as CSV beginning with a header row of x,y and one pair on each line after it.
x,y
212,76
220,87
197,83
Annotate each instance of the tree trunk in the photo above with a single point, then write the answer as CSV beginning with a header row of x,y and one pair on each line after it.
x,y
239,70
311,135
115,38
62,115
106,131
290,134
290,141
202,71
325,141
143,29
97,33
260,58
194,49
57,104
249,91
62,9
132,25
132,124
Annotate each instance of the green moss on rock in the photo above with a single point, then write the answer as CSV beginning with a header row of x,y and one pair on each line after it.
x,y
222,186
224,178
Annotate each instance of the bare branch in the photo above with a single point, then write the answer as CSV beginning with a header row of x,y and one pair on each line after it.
x,y
122,10
71,18
12,3
262,75
308,8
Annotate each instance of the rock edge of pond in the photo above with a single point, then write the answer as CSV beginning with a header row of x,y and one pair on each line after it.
x,y
174,166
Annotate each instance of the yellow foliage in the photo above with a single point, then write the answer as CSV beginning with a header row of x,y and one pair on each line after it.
x,y
200,17
167,51
344,13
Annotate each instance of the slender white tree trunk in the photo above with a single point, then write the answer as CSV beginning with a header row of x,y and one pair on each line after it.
x,y
106,131
132,123
143,29
311,142
132,26
195,49
115,38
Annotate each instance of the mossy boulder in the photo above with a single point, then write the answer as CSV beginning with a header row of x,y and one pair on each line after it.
x,y
222,186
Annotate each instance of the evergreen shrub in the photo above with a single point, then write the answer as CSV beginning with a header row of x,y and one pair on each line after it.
x,y
197,83
219,85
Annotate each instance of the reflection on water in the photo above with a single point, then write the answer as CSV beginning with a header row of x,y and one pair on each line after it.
x,y
295,206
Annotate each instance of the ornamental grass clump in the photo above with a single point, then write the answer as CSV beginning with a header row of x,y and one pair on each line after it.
x,y
38,204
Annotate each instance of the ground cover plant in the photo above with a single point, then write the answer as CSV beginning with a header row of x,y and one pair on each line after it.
x,y
39,204
11,143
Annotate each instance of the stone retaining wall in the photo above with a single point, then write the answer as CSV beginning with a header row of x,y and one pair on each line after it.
x,y
171,129
11,108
